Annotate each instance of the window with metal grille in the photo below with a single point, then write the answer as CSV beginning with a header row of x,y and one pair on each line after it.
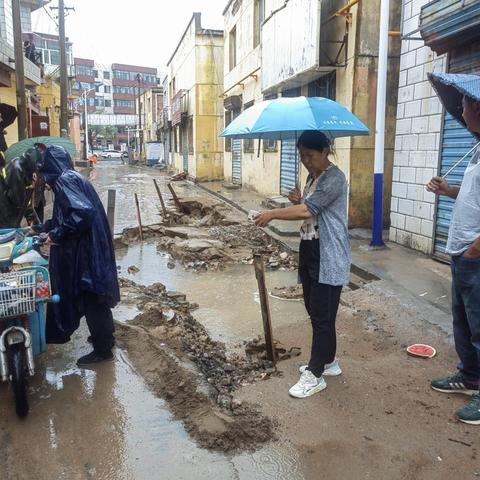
x,y
228,141
232,48
190,136
270,145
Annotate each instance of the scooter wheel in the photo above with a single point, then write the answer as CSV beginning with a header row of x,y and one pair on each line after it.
x,y
16,356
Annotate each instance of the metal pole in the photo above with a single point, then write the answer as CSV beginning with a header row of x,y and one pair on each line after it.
x,y
63,69
111,210
139,217
266,317
377,225
175,198
19,71
160,197
85,126
140,132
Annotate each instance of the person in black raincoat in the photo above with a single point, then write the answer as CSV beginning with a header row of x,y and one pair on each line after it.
x,y
8,114
18,182
82,259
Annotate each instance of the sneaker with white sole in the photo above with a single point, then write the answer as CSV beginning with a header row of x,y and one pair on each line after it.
x,y
456,383
307,385
470,413
331,369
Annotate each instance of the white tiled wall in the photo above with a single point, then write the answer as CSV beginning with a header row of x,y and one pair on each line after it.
x,y
417,140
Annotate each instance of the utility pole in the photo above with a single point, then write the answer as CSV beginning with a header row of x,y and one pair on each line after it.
x,y
63,70
85,123
19,71
377,226
140,131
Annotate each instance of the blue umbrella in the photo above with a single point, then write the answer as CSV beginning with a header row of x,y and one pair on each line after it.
x,y
285,118
452,87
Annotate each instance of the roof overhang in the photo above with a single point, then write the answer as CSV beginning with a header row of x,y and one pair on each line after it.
x,y
448,24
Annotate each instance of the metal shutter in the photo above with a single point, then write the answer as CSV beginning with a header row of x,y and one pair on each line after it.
x,y
456,141
288,166
288,155
237,162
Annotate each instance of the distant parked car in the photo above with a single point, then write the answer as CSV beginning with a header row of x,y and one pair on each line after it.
x,y
111,154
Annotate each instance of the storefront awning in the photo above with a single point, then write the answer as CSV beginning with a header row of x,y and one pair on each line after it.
x,y
447,24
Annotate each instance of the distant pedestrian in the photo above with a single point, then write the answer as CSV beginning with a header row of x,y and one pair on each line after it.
x,y
325,257
82,258
463,246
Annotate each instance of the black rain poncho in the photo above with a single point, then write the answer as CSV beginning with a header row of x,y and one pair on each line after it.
x,y
84,259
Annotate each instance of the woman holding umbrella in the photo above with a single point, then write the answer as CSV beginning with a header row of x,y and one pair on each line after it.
x,y
325,256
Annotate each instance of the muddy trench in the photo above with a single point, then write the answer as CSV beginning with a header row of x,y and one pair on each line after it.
x,y
196,375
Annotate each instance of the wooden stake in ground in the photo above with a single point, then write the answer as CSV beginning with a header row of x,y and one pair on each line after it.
x,y
111,210
266,317
175,198
162,203
139,217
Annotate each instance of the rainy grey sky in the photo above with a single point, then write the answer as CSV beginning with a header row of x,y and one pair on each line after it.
x,y
139,32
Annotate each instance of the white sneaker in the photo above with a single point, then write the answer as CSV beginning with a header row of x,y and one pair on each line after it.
x,y
331,369
307,385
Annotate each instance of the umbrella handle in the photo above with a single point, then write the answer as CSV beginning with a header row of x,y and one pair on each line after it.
x,y
460,161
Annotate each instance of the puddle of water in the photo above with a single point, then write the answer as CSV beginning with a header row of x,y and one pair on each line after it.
x,y
120,178
228,299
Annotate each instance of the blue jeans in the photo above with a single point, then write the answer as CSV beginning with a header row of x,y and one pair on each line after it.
x,y
466,315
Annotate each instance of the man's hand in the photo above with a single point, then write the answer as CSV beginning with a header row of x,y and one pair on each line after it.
x,y
472,252
49,242
263,218
438,186
30,232
295,196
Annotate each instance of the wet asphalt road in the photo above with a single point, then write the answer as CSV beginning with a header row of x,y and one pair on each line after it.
x,y
103,423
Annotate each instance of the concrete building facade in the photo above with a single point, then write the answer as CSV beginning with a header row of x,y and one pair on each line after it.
x,y
33,74
112,92
151,106
339,48
195,87
428,141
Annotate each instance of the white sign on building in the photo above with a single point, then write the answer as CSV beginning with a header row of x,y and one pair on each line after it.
x,y
107,120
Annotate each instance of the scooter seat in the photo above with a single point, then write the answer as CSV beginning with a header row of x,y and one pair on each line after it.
x,y
8,237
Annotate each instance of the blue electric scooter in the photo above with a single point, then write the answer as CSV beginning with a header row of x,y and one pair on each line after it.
x,y
24,293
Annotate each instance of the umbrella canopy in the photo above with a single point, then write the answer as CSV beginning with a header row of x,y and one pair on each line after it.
x,y
452,87
287,117
18,149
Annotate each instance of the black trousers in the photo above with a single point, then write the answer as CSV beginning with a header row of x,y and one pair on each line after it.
x,y
100,322
321,301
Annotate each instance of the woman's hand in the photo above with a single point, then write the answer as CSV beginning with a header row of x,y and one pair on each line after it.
x,y
263,218
295,196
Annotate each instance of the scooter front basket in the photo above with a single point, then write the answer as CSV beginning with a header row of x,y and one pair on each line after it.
x,y
17,293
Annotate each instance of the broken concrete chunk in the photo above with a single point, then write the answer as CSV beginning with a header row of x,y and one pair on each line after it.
x,y
178,296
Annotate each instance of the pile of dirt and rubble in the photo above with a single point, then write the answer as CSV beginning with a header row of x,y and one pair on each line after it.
x,y
214,248
208,236
168,346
